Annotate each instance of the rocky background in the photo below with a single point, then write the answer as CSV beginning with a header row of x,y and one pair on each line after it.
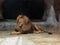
x,y
50,16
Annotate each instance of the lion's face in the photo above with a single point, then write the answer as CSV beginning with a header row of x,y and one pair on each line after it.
x,y
20,22
23,23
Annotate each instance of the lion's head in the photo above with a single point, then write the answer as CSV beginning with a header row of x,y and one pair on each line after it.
x,y
23,24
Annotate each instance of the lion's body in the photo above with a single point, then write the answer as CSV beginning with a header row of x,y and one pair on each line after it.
x,y
24,25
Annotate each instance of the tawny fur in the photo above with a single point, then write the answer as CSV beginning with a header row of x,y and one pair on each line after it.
x,y
24,25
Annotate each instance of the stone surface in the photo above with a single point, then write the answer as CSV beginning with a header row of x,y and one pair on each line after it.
x,y
51,19
7,25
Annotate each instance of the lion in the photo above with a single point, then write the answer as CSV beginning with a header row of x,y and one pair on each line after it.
x,y
25,26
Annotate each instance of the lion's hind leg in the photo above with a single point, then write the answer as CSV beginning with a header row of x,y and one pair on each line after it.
x,y
38,29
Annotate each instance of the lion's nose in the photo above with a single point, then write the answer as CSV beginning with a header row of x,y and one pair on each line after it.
x,y
20,26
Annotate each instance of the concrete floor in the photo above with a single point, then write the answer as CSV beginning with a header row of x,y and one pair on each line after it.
x,y
29,39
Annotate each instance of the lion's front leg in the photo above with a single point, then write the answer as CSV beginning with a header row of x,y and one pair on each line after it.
x,y
15,33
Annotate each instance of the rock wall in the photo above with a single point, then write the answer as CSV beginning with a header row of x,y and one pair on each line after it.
x,y
31,8
12,7
57,8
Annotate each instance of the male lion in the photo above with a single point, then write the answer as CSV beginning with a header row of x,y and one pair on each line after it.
x,y
24,26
